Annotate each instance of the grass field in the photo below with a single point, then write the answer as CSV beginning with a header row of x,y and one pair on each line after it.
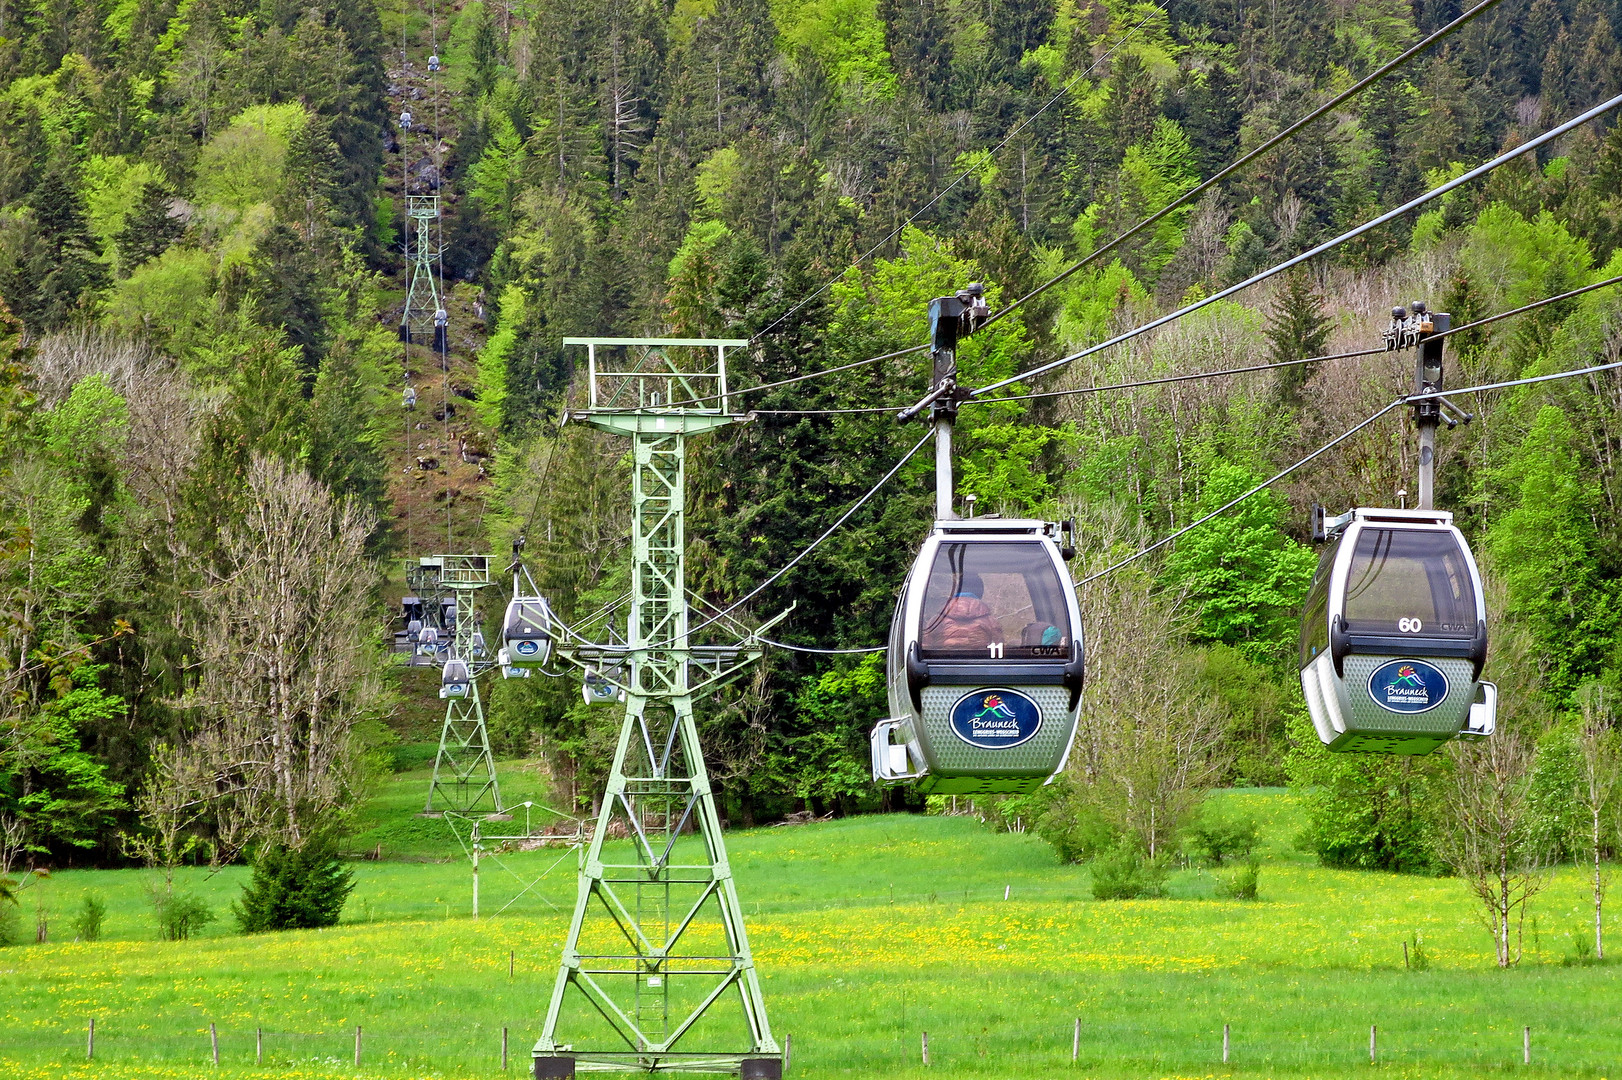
x,y
867,933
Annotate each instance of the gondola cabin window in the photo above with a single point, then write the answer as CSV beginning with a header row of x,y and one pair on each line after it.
x,y
998,601
1407,581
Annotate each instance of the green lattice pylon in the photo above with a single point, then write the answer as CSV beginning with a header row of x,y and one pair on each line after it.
x,y
464,778
656,948
423,303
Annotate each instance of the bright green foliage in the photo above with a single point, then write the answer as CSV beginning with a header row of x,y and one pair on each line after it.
x,y
819,758
694,273
180,915
1126,873
844,36
1152,175
1216,838
495,357
1546,549
58,790
1004,468
1523,259
113,189
294,890
1242,882
86,922
1364,811
246,163
1244,576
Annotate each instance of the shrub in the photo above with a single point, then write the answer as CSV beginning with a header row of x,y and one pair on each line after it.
x,y
180,915
11,923
1215,840
1124,873
294,889
1418,959
1241,883
87,923
1072,823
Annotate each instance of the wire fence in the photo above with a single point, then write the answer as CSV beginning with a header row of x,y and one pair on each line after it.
x,y
966,1042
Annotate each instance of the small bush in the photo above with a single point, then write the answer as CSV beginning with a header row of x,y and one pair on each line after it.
x,y
1418,960
87,923
1072,823
293,890
180,915
11,923
1215,841
1124,873
1241,883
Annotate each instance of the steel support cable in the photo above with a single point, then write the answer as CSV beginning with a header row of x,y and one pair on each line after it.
x,y
792,563
1245,159
1183,200
1523,309
1187,197
1328,245
1407,399
821,652
939,195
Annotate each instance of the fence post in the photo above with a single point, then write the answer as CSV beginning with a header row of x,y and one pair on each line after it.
x,y
1372,1046
1405,955
357,1046
926,1048
1224,1044
1005,891
1526,1045
258,1046
90,1042
503,1049
788,1051
1075,1042
512,955
214,1040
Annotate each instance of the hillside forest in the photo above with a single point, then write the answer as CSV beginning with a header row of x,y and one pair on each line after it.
x,y
210,482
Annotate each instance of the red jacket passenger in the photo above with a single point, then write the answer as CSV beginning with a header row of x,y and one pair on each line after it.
x,y
965,625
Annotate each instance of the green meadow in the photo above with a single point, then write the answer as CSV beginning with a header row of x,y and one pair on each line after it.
x,y
868,932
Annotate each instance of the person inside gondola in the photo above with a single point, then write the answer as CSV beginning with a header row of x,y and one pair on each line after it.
x,y
966,623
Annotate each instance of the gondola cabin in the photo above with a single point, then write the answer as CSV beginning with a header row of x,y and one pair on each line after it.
x,y
603,688
454,679
526,632
985,661
1394,635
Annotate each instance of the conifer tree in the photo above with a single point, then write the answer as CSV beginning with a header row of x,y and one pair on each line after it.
x,y
1296,328
62,265
149,227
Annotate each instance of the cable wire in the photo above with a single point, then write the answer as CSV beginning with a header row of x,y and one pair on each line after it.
x,y
820,652
939,195
1407,399
1328,245
792,563
1189,196
1534,305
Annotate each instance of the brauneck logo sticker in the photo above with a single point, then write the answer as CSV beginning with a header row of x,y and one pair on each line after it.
x,y
995,719
1407,686
528,648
